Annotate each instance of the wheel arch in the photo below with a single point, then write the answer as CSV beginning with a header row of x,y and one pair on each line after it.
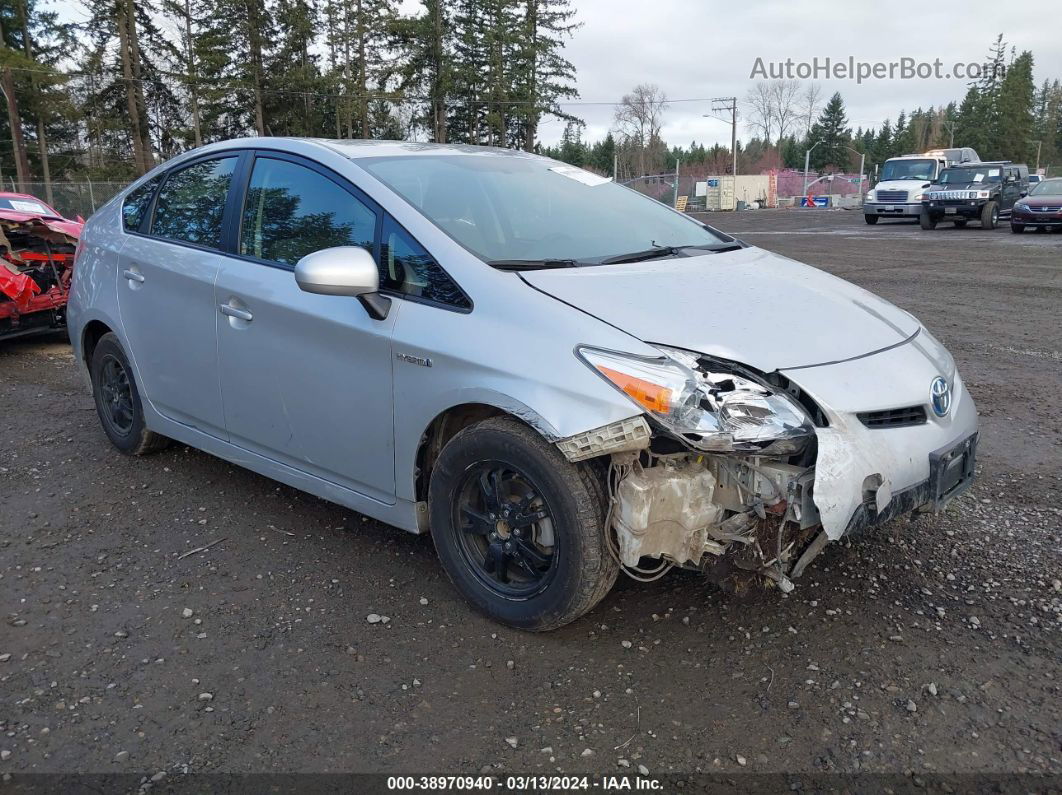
x,y
449,422
91,334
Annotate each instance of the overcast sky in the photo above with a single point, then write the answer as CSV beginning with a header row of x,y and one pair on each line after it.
x,y
697,49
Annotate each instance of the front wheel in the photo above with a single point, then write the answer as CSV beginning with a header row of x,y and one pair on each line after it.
x,y
990,215
118,401
870,219
518,528
926,221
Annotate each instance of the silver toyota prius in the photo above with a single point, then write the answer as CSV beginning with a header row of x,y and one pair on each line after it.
x,y
555,376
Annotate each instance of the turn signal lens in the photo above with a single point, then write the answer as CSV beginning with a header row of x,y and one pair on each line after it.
x,y
647,394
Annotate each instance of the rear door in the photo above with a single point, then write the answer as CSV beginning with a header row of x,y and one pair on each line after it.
x,y
306,378
166,274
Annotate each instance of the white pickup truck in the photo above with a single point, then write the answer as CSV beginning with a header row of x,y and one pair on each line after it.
x,y
898,193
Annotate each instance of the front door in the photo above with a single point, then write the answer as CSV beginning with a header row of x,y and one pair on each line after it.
x,y
305,378
166,273
1012,188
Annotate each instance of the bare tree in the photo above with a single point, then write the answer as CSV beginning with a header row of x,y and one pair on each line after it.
x,y
759,109
639,117
809,106
771,108
784,95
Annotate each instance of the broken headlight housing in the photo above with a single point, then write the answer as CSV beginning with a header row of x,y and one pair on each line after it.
x,y
706,404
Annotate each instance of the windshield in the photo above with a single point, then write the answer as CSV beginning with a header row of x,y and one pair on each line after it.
x,y
25,206
1049,187
908,169
965,176
522,208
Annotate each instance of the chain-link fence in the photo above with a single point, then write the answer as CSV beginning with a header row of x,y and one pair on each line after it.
x,y
69,198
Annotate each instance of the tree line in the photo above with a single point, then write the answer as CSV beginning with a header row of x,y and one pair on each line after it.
x,y
142,80
1004,115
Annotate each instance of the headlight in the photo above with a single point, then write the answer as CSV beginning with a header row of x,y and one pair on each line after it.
x,y
918,197
1021,206
706,405
870,196
983,194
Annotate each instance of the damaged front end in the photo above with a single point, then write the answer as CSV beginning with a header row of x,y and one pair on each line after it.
x,y
720,478
36,261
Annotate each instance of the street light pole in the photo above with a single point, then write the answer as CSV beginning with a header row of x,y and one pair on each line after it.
x,y
807,160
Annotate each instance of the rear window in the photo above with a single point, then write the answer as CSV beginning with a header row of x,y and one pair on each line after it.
x,y
191,202
26,206
136,205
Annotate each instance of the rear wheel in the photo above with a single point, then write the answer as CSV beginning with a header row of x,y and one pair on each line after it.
x,y
926,220
989,215
118,401
519,529
870,219
1017,228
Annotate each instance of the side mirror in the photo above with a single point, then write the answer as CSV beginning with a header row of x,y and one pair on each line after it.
x,y
1024,193
344,270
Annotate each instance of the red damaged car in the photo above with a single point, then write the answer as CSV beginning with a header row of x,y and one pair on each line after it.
x,y
36,256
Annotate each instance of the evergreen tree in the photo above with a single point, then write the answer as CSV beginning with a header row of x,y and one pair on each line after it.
x,y
1016,118
542,74
832,130
427,45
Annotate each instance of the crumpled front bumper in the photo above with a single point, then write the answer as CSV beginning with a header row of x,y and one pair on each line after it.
x,y
861,469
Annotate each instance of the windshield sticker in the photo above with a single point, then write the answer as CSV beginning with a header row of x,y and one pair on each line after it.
x,y
579,175
26,207
993,172
978,177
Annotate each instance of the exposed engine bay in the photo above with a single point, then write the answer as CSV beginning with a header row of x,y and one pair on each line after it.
x,y
36,259
721,476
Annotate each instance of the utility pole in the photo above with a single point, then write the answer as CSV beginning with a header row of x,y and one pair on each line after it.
x,y
729,105
674,190
1038,145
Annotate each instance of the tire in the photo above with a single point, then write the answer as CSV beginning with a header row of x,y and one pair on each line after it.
x,y
989,215
870,219
570,575
926,221
1017,228
960,223
118,400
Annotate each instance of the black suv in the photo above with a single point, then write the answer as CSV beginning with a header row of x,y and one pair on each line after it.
x,y
985,191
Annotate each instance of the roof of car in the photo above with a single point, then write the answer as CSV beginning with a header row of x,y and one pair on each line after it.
x,y
359,148
10,195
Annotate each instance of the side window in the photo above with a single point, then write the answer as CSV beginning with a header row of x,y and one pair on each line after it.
x,y
191,202
136,204
406,267
292,211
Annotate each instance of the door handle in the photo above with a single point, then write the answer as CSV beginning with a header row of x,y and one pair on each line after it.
x,y
133,276
236,312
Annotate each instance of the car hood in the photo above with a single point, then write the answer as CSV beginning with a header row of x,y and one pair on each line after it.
x,y
962,186
749,306
1047,200
63,226
910,185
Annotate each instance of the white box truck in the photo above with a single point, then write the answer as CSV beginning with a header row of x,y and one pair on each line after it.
x,y
898,193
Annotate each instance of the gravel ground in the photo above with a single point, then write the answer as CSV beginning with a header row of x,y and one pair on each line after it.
x,y
928,647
